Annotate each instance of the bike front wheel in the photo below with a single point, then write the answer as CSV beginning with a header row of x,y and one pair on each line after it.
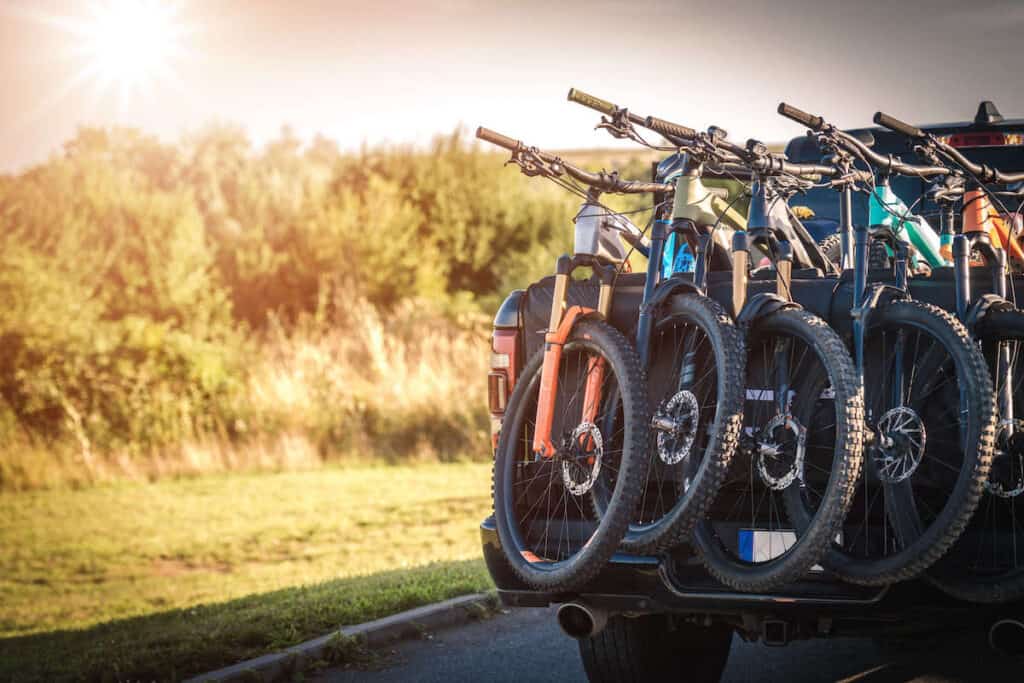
x,y
695,384
793,476
543,505
986,564
930,415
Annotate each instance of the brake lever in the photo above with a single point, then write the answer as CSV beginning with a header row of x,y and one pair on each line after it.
x,y
531,165
619,125
927,151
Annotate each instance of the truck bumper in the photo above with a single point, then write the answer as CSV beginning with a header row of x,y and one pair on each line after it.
x,y
818,606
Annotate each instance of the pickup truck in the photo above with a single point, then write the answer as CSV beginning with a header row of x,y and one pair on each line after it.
x,y
663,617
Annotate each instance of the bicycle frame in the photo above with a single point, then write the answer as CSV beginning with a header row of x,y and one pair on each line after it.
x,y
969,310
886,208
866,300
980,217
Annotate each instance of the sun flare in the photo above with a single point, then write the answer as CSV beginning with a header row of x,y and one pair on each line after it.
x,y
128,44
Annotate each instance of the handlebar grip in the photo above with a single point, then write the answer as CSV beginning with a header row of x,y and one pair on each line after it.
x,y
891,123
595,103
498,139
669,129
800,116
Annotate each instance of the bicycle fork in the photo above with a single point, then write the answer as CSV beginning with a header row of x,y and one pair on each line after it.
x,y
963,245
560,326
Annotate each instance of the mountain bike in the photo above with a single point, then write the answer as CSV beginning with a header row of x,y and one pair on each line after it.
x,y
978,214
696,406
929,408
800,448
791,483
984,565
711,181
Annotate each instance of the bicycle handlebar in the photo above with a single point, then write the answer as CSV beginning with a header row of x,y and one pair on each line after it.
x,y
773,165
815,123
677,135
602,181
984,173
668,129
488,135
887,164
894,124
595,103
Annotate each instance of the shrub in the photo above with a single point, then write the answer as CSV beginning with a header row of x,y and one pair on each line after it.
x,y
165,306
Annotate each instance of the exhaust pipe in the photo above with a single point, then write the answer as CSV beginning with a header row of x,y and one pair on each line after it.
x,y
581,621
1006,636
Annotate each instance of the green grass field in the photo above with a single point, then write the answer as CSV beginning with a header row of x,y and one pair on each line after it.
x,y
141,581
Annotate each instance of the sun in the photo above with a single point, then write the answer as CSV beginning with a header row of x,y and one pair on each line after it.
x,y
131,47
130,43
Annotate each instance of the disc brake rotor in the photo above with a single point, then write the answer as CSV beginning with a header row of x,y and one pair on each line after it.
x,y
676,425
780,460
582,461
900,444
1006,477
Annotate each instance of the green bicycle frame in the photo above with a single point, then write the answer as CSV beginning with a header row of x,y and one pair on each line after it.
x,y
696,200
885,208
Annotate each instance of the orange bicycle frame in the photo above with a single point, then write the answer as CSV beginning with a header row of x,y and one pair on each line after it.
x,y
980,216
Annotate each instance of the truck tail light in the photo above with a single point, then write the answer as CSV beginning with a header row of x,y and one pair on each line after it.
x,y
497,391
982,139
501,379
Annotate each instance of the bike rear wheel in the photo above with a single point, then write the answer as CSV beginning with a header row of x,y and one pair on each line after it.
x,y
542,505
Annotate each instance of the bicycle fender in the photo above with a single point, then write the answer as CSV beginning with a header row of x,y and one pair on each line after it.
x,y
763,304
980,308
670,288
569,320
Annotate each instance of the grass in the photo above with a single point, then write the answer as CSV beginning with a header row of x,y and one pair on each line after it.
x,y
164,580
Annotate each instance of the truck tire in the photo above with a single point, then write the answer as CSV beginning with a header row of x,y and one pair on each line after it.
x,y
655,647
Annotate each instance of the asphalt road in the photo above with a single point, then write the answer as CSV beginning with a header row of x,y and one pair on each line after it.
x,y
526,645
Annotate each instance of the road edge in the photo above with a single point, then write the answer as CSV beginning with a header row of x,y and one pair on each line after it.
x,y
373,634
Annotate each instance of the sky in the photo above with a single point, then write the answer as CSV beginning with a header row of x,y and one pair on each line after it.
x,y
402,71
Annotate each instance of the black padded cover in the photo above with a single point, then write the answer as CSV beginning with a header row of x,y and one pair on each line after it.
x,y
827,297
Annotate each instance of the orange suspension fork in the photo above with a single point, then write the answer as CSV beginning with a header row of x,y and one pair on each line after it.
x,y
596,369
559,328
